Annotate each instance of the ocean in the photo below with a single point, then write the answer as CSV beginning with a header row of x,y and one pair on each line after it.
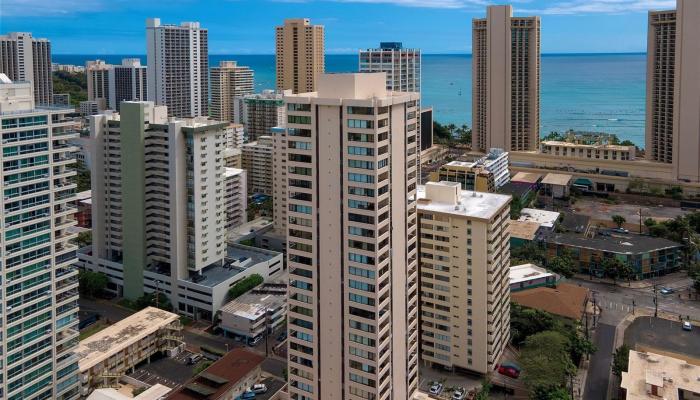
x,y
589,92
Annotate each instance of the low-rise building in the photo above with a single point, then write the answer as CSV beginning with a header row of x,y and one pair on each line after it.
x,y
226,379
527,276
546,219
109,354
565,300
523,232
257,312
556,186
596,151
235,197
485,174
128,391
647,256
257,161
92,107
652,376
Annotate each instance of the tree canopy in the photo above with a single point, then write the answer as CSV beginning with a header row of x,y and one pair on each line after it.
x,y
546,363
91,284
244,285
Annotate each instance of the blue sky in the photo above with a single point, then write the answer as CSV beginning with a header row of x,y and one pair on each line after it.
x,y
246,26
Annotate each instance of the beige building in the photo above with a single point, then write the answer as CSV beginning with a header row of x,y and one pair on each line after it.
x,y
98,81
114,351
352,240
654,376
24,58
228,81
592,151
235,197
673,89
505,81
256,158
464,267
260,112
299,55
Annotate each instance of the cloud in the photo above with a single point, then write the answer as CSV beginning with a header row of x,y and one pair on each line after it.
x,y
413,3
43,8
603,7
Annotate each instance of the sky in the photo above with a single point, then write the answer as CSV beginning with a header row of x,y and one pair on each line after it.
x,y
247,26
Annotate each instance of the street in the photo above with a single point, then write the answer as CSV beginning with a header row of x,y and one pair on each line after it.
x,y
599,370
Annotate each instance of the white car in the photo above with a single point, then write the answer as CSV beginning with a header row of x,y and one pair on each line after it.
x,y
687,326
436,388
459,394
258,388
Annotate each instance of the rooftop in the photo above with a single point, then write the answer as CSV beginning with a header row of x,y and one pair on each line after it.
x,y
253,305
670,376
565,300
526,177
125,392
543,217
557,179
599,146
238,259
229,172
448,198
621,244
524,229
527,272
217,380
124,333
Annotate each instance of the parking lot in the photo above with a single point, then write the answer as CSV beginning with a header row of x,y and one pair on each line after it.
x,y
171,372
450,381
649,333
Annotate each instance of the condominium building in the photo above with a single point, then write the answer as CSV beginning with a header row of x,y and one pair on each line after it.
x,y
673,90
159,195
235,197
97,73
600,151
505,81
228,81
40,296
28,59
256,159
127,82
178,67
260,112
299,55
485,174
464,267
402,66
352,240
235,136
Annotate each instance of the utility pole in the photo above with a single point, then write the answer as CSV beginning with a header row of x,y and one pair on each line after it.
x,y
640,220
656,303
633,304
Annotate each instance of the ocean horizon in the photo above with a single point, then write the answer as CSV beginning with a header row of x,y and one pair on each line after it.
x,y
599,92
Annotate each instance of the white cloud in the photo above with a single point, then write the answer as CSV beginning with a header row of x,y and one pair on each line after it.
x,y
603,7
44,8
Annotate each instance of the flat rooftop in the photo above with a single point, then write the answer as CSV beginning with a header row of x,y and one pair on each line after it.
x,y
622,244
253,305
124,333
238,259
557,179
598,146
229,172
526,177
523,229
669,374
478,205
565,300
543,217
125,392
527,272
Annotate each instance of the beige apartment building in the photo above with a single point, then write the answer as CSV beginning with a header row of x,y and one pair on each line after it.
x,y
352,240
464,268
98,81
299,55
228,81
256,159
505,81
599,151
673,89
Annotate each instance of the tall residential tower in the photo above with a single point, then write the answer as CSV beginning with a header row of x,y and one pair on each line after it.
x,y
178,67
299,55
351,173
505,81
673,89
229,81
402,66
127,82
25,58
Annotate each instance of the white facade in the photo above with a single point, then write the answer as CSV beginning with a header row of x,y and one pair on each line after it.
x,y
97,73
178,67
235,197
40,296
260,112
402,66
24,58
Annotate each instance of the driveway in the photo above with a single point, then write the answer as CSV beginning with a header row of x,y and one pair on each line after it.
x,y
599,370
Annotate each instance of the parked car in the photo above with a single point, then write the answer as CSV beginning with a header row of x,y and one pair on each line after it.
x,y
258,388
193,359
246,395
665,290
687,326
459,394
509,371
436,388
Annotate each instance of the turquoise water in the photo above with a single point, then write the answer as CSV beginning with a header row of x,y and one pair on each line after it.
x,y
592,92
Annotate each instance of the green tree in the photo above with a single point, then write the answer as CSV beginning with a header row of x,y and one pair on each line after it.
x,y
150,300
526,322
244,285
562,264
84,239
550,393
658,230
75,84
485,389
546,362
528,253
616,269
620,360
649,222
618,220
91,284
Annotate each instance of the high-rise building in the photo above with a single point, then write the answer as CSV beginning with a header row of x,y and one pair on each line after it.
x,y
673,89
402,66
464,268
256,159
352,159
178,67
260,112
228,81
98,81
25,58
235,197
127,82
505,81
40,296
299,55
